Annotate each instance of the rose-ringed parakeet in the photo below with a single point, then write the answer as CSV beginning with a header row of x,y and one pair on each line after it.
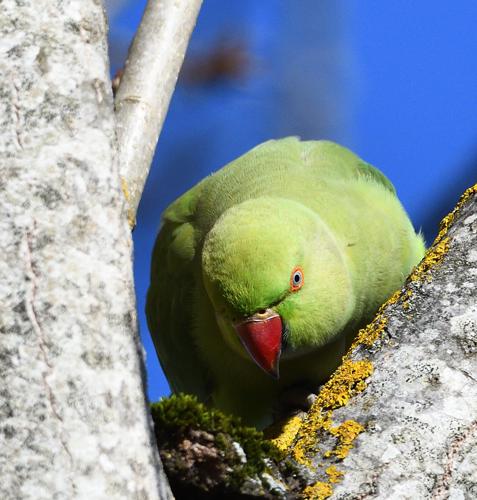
x,y
264,271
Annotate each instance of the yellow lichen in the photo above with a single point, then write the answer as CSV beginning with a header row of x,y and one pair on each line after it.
x,y
288,431
345,382
449,219
127,196
436,253
368,336
125,189
434,256
346,434
306,436
349,379
317,491
334,474
405,299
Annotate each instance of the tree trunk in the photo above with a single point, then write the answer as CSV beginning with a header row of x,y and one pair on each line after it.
x,y
73,414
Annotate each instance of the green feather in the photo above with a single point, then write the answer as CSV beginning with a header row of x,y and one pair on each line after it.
x,y
226,250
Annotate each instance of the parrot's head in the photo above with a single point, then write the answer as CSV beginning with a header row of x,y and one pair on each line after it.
x,y
277,279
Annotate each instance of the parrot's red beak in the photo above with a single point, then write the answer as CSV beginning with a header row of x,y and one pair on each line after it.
x,y
261,335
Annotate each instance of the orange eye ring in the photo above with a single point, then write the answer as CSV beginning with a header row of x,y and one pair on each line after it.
x,y
297,279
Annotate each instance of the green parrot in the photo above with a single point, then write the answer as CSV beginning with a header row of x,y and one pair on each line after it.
x,y
264,272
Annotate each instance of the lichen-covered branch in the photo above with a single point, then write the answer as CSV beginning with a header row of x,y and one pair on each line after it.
x,y
398,419
73,415
419,410
390,418
146,87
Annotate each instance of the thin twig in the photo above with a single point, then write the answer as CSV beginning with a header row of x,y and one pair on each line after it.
x,y
149,78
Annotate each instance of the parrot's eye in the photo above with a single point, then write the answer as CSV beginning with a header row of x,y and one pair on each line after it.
x,y
296,279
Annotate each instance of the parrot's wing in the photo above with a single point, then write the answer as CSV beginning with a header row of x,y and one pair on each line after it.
x,y
340,162
366,170
328,159
169,308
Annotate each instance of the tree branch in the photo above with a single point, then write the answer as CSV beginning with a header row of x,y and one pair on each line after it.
x,y
146,87
74,420
419,409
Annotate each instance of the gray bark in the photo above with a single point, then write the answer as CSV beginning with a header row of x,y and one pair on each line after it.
x,y
74,421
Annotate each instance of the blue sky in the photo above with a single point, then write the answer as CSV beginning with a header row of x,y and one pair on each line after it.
x,y
396,82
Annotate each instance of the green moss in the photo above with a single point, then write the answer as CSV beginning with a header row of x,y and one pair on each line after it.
x,y
181,417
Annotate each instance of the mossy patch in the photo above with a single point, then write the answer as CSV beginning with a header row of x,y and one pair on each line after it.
x,y
209,448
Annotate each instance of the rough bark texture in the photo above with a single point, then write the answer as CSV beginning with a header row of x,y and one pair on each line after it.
x,y
74,421
149,79
419,410
398,419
